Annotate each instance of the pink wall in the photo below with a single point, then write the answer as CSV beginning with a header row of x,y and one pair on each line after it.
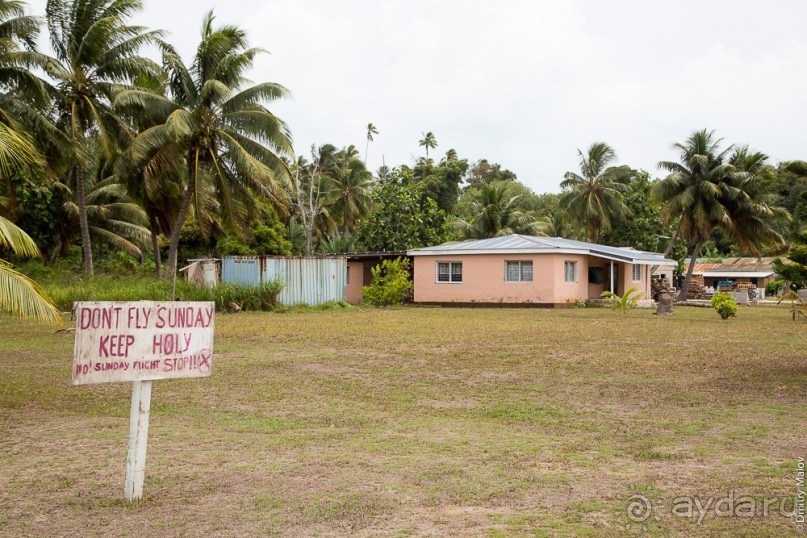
x,y
484,282
356,283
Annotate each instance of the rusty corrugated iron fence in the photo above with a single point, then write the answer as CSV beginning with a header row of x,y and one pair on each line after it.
x,y
308,280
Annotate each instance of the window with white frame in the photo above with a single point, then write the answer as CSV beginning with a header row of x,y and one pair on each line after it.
x,y
637,273
518,271
449,272
570,271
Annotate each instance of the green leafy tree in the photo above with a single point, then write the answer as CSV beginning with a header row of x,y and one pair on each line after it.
x,y
594,198
440,182
401,218
391,283
483,173
496,211
221,129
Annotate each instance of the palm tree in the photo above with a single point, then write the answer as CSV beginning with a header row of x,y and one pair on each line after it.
x,y
710,188
222,131
495,212
371,130
451,156
95,53
112,217
18,294
428,142
349,193
556,225
23,95
746,197
593,198
692,192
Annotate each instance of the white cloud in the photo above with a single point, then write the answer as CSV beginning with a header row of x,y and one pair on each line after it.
x,y
524,83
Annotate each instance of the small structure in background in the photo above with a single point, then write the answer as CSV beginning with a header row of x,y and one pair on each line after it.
x,y
203,272
311,280
359,266
741,275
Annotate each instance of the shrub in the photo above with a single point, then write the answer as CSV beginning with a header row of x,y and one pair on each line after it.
x,y
773,288
624,304
391,283
725,305
228,297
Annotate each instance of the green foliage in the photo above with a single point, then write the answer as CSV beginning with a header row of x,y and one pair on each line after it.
x,y
725,305
39,216
773,288
234,247
593,199
484,173
401,218
391,284
228,297
644,229
441,183
120,263
624,304
793,270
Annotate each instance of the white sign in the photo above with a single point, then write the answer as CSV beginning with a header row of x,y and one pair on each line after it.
x,y
142,341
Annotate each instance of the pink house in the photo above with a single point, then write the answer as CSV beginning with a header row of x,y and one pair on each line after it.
x,y
528,270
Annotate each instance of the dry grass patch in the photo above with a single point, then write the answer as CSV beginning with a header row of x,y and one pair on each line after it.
x,y
417,422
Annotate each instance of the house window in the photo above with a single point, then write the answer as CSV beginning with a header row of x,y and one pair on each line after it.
x,y
595,275
449,272
520,271
637,273
570,271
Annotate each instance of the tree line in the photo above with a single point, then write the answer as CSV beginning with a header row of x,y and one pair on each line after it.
x,y
106,151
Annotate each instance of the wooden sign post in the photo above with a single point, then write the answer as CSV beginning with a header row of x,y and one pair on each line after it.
x,y
141,342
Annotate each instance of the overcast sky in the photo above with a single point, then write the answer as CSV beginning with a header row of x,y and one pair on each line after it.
x,y
523,83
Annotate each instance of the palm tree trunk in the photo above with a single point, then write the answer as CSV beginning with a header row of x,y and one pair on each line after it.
x,y
177,229
682,294
86,244
155,245
366,150
674,238
13,206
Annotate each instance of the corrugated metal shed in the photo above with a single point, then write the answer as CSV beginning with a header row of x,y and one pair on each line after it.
x,y
243,270
309,280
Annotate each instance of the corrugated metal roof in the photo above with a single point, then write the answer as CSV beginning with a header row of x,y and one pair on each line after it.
x,y
528,244
744,265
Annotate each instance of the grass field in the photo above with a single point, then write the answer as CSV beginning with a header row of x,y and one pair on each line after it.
x,y
419,422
